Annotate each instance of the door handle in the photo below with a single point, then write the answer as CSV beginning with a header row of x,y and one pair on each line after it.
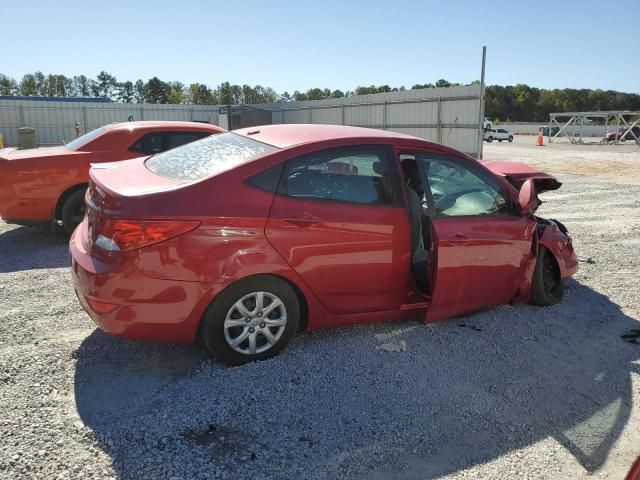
x,y
303,220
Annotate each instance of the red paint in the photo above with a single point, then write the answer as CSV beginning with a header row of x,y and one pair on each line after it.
x,y
517,173
32,182
350,262
479,262
634,472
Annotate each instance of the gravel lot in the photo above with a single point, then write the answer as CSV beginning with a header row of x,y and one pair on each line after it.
x,y
507,393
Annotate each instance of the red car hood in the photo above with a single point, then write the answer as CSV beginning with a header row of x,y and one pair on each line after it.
x,y
517,173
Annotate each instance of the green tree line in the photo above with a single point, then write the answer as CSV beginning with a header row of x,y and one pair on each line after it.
x,y
508,103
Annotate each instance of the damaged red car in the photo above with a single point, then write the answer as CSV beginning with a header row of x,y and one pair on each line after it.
x,y
244,238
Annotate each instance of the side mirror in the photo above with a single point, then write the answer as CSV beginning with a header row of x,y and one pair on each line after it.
x,y
528,198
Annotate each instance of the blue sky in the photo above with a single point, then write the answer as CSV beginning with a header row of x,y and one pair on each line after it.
x,y
296,45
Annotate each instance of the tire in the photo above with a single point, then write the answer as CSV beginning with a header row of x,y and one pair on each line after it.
x,y
73,210
223,322
510,139
547,288
500,140
490,139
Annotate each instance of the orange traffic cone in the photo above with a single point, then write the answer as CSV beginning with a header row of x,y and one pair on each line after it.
x,y
540,139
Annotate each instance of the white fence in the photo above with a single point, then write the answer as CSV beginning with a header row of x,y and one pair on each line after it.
x,y
444,115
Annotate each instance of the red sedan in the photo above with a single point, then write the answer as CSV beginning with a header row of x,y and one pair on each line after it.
x,y
243,238
47,185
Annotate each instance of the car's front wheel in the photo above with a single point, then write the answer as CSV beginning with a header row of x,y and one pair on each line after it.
x,y
510,139
490,139
73,210
546,288
251,320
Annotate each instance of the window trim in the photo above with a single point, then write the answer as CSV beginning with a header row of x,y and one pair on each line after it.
x,y
487,177
397,191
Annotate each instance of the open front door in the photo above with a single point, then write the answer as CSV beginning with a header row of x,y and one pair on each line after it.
x,y
481,244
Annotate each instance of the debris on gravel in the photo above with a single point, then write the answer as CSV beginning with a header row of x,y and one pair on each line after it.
x,y
515,391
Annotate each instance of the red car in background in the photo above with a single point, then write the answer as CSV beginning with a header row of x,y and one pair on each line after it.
x,y
243,238
47,185
623,134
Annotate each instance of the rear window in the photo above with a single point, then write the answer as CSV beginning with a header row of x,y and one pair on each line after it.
x,y
84,139
202,158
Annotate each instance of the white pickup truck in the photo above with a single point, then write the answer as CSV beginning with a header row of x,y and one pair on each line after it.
x,y
499,134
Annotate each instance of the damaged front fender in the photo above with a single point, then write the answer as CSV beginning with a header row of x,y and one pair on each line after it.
x,y
554,236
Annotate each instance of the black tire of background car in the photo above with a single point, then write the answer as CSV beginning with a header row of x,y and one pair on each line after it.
x,y
510,138
212,325
490,139
73,210
547,288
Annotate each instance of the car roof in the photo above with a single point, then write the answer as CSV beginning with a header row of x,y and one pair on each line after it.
x,y
161,124
289,135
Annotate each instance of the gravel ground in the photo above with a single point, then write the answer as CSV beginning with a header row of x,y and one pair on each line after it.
x,y
510,392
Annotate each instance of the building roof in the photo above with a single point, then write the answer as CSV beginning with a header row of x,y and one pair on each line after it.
x,y
56,99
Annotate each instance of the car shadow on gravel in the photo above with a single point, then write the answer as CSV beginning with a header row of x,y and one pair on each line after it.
x,y
466,391
29,248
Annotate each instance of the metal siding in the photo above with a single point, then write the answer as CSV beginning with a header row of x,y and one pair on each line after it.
x,y
414,112
328,116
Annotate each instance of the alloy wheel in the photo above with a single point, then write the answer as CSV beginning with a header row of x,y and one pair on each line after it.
x,y
255,323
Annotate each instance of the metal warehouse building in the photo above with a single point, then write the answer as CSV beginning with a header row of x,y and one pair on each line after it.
x,y
451,116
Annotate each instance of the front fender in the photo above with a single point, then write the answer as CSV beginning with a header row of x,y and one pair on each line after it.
x,y
550,236
561,246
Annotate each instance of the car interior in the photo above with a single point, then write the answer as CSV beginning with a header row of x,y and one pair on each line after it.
x,y
357,178
422,247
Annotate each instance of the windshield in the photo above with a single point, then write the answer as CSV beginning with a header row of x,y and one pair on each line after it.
x,y
84,139
200,159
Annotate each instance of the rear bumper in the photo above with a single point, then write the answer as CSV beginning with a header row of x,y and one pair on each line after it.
x,y
34,211
126,303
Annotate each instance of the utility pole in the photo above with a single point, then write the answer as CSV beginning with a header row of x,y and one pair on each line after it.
x,y
481,120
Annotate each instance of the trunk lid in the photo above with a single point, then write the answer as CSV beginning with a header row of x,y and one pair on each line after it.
x,y
113,194
517,173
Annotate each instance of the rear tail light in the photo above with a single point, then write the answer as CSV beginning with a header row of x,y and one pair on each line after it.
x,y
123,235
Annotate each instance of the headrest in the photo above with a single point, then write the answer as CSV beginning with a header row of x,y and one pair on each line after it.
x,y
379,168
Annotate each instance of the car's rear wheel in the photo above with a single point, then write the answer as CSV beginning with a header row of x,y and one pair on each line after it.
x,y
73,210
510,139
547,288
251,320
